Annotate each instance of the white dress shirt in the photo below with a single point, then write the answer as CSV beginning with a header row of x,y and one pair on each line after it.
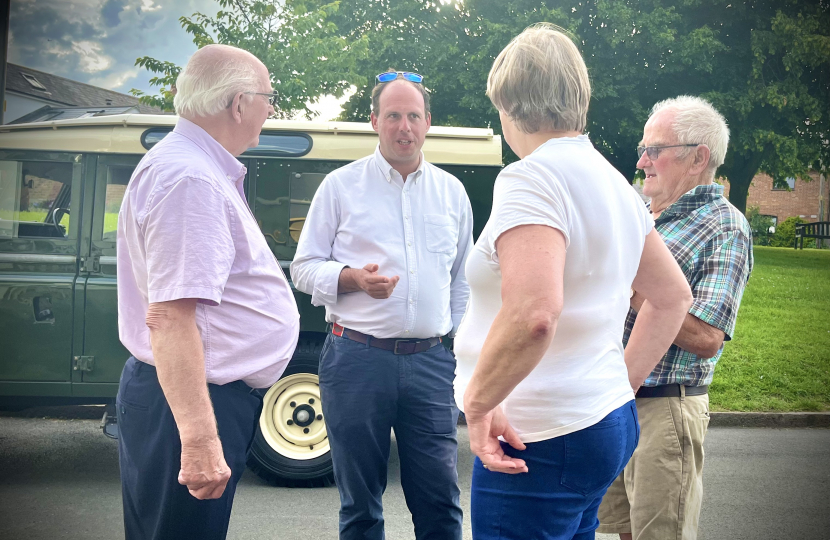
x,y
419,230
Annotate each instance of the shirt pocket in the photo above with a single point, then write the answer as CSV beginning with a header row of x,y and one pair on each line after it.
x,y
441,233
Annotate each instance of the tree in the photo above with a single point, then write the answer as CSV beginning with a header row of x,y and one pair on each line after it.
x,y
765,64
778,108
299,46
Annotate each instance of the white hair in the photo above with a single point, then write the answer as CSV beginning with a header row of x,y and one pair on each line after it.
x,y
540,81
211,78
696,121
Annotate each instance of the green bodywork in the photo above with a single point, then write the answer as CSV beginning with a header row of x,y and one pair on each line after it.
x,y
58,306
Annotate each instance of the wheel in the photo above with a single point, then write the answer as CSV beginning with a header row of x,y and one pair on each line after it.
x,y
291,446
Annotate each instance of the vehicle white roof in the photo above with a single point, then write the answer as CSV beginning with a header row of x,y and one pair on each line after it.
x,y
332,140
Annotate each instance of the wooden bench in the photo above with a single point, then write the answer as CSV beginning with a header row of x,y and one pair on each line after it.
x,y
819,229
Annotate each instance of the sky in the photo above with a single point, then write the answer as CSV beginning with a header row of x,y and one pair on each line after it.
x,y
98,41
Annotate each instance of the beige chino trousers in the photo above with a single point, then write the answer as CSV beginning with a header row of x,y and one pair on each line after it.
x,y
659,494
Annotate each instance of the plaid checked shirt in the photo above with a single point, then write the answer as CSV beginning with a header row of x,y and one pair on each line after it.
x,y
712,242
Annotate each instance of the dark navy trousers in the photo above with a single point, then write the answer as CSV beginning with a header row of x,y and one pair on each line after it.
x,y
366,393
156,506
558,498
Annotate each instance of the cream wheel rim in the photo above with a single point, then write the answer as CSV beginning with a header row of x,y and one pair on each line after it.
x,y
292,418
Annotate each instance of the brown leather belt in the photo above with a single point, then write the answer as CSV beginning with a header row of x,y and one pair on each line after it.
x,y
670,390
397,346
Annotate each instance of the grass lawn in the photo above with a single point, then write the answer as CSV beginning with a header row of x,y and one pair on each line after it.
x,y
779,358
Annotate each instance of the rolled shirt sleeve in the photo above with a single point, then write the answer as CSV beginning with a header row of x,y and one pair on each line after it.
x,y
721,281
189,243
313,270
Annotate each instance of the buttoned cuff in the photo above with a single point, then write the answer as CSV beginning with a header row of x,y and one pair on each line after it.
x,y
326,283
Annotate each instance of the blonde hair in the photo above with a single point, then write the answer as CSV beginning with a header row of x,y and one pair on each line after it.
x,y
696,121
212,76
540,81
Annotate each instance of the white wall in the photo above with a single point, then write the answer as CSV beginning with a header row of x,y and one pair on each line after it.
x,y
18,105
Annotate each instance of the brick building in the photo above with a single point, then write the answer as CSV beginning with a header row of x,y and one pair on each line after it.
x,y
803,199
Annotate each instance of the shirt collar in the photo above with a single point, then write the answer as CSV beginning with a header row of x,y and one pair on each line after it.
x,y
693,199
229,165
581,139
386,169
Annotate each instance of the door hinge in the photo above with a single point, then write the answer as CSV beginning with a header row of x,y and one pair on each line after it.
x,y
83,363
90,265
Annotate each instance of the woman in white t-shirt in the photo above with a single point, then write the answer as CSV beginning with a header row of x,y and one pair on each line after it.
x,y
540,356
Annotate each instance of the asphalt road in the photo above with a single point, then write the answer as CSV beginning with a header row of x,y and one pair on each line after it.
x,y
59,479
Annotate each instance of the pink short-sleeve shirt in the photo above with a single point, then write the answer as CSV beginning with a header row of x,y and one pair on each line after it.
x,y
185,230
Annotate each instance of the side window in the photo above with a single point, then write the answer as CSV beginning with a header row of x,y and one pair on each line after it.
x,y
117,178
284,190
303,187
35,199
271,206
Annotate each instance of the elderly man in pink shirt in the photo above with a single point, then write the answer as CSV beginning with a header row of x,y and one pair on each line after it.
x,y
203,306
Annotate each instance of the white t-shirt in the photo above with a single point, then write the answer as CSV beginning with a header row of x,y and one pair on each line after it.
x,y
565,184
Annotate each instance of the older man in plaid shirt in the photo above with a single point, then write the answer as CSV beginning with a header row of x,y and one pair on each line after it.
x,y
658,496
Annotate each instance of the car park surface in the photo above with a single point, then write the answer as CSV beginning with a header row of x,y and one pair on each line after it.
x,y
59,479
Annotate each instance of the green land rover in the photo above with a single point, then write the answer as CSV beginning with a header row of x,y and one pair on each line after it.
x,y
61,185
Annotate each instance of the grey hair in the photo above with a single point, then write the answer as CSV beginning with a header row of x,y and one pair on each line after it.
x,y
540,81
208,83
696,121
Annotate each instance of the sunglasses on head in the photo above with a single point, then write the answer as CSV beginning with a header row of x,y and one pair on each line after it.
x,y
654,151
407,75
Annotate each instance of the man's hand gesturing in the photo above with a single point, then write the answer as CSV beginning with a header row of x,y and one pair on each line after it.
x,y
375,285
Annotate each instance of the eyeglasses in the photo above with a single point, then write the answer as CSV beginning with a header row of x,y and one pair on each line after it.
x,y
654,151
392,75
272,97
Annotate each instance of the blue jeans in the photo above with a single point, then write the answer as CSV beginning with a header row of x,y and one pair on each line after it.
x,y
367,392
559,495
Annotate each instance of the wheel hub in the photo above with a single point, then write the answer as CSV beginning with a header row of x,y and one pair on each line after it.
x,y
304,415
292,421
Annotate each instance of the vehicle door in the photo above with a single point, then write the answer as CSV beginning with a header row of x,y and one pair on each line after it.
x,y
40,217
101,340
102,347
280,198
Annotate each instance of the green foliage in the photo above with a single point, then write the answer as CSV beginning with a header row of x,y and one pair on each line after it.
x,y
785,234
777,107
760,226
299,44
779,356
166,79
765,64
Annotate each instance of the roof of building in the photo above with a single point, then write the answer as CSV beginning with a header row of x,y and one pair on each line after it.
x,y
64,113
63,91
49,112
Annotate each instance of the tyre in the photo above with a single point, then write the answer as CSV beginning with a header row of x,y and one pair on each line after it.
x,y
291,446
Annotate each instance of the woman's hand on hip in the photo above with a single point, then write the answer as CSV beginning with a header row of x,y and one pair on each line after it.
x,y
484,431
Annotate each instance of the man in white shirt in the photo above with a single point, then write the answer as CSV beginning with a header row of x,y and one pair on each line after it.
x,y
384,248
